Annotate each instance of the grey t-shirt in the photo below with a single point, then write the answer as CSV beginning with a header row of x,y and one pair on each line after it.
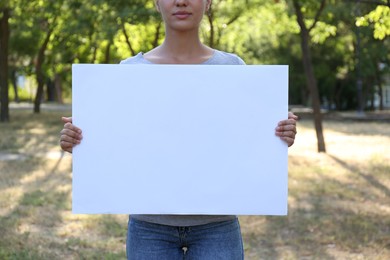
x,y
218,58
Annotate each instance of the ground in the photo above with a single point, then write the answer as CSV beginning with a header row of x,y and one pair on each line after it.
x,y
339,202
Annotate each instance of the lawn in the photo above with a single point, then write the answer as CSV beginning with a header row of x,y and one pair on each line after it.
x,y
339,202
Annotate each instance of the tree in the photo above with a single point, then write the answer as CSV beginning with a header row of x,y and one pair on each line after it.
x,y
309,71
46,17
379,19
55,34
222,14
38,69
4,40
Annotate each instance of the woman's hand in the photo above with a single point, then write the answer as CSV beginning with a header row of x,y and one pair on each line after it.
x,y
70,135
287,129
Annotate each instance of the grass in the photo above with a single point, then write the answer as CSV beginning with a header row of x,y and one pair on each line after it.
x,y
339,202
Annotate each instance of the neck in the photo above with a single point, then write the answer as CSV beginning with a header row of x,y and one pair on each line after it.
x,y
180,48
183,44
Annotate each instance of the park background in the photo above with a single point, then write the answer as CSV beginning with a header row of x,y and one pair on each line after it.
x,y
339,185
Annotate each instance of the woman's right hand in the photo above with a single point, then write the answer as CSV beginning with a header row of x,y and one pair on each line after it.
x,y
70,135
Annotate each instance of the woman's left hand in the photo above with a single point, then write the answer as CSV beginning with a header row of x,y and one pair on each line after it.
x,y
287,129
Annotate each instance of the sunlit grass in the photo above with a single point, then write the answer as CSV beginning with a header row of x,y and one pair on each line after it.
x,y
339,202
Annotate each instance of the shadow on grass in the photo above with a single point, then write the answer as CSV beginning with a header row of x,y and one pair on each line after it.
x,y
328,216
369,178
35,196
357,128
38,209
328,213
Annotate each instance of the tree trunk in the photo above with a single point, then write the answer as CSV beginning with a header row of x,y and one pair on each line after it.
x,y
315,99
337,94
210,17
157,35
15,85
50,90
107,53
380,87
39,93
4,39
39,73
372,97
380,93
127,39
310,78
58,87
94,54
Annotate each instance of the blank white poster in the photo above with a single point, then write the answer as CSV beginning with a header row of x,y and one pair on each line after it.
x,y
180,139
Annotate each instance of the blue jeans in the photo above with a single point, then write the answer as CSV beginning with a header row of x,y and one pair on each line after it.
x,y
219,240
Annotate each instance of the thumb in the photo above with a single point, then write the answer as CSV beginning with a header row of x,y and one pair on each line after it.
x,y
66,119
292,115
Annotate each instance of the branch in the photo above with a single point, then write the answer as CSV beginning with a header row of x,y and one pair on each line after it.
x,y
234,18
299,14
127,38
317,17
371,2
375,2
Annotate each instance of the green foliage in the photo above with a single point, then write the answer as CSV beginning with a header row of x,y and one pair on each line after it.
x,y
380,19
23,94
260,31
322,31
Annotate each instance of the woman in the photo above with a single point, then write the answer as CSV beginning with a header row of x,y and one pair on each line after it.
x,y
178,236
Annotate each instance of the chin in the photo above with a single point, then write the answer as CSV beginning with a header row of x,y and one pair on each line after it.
x,y
183,28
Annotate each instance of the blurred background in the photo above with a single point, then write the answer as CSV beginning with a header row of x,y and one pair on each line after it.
x,y
345,42
339,168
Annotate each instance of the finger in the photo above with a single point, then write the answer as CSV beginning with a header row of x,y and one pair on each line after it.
x,y
67,143
69,124
290,134
71,127
70,139
287,122
71,133
286,128
288,140
67,147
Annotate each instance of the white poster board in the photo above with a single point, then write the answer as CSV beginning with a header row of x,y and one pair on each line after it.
x,y
180,139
